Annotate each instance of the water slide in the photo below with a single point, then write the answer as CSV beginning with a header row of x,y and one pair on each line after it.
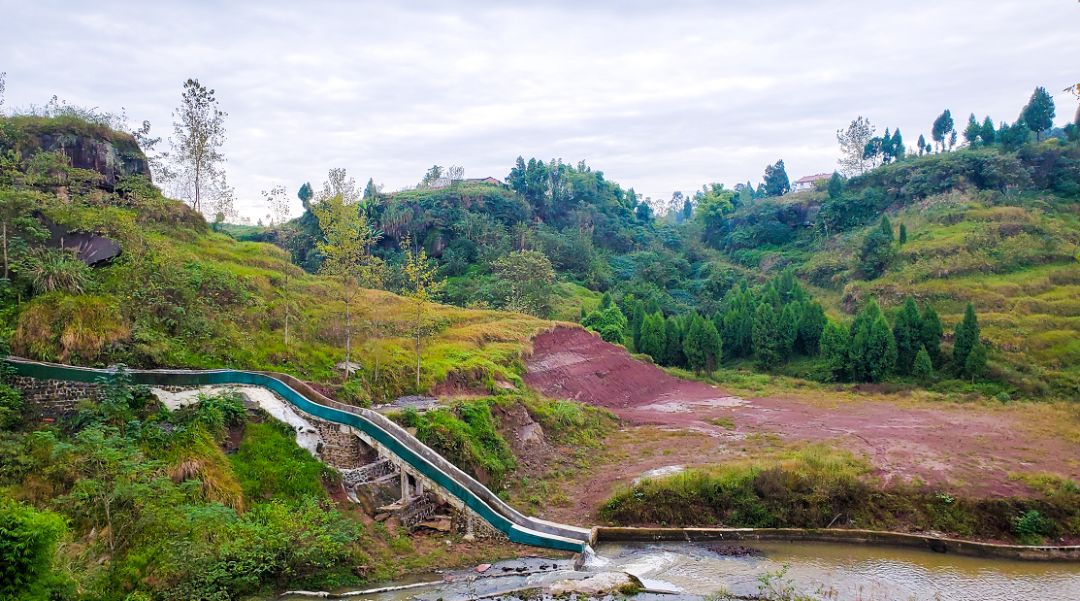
x,y
518,527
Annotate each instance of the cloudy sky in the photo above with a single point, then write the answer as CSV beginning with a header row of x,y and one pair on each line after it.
x,y
661,96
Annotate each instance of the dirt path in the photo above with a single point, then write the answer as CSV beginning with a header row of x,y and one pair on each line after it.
x,y
970,449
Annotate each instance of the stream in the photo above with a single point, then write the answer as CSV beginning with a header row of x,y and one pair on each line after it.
x,y
825,571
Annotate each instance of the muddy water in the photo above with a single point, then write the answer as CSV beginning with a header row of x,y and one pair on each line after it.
x,y
689,572
831,571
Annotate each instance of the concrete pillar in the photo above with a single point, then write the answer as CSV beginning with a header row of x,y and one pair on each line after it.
x,y
404,487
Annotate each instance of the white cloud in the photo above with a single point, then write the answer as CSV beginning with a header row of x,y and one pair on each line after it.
x,y
660,96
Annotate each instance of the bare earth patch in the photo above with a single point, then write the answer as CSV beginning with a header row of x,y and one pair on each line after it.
x,y
972,449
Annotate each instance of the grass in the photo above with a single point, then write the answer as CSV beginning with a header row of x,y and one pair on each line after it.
x,y
819,487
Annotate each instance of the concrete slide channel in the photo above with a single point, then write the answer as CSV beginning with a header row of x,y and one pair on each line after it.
x,y
518,527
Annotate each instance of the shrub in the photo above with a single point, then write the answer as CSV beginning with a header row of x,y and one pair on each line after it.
x,y
28,540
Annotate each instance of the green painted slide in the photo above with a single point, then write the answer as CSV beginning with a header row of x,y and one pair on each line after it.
x,y
518,527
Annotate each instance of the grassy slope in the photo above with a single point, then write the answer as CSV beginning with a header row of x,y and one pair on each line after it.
x,y
183,296
1013,255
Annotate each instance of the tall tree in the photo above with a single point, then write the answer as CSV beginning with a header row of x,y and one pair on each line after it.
x,y
872,350
673,352
835,339
811,324
776,179
277,200
941,129
877,249
768,342
199,134
654,337
973,131
907,332
853,142
930,335
421,276
923,368
987,135
975,364
1038,114
305,194
921,144
965,337
348,240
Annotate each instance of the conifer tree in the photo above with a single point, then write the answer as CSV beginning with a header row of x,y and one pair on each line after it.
x,y
767,340
673,354
811,324
930,334
789,328
903,234
907,332
921,144
877,249
653,337
834,350
988,135
923,369
702,345
1039,112
965,338
975,364
872,350
713,347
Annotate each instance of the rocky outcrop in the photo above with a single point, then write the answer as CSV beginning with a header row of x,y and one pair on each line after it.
x,y
111,153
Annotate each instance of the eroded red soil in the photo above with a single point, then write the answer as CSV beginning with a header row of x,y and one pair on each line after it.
x,y
971,449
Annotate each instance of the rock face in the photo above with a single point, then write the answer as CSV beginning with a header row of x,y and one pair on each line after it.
x,y
111,153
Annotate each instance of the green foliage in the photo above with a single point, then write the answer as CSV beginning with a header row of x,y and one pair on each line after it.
x,y
28,540
872,350
11,406
702,345
776,180
609,322
1038,114
835,339
1032,527
467,437
768,337
877,250
930,334
269,465
965,338
975,363
907,332
923,368
528,276
654,337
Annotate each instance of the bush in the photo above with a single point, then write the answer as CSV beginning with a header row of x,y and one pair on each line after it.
x,y
270,465
28,540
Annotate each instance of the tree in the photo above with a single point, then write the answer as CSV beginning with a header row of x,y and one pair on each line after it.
x,y
277,201
834,350
199,130
423,283
836,185
529,276
897,149
872,350
767,339
654,337
28,540
776,179
903,234
305,194
607,320
965,338
811,324
877,249
921,144
18,227
673,352
975,364
702,345
907,332
923,368
3,88
942,127
930,334
973,131
348,240
853,142
433,175
789,328
987,135
1038,114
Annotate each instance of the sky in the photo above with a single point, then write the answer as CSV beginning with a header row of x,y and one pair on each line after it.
x,y
660,96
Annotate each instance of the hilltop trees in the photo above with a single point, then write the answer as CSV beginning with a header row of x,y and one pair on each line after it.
x,y
346,248
776,179
942,129
199,133
853,141
1038,114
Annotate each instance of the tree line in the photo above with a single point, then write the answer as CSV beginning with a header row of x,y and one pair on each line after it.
x,y
778,321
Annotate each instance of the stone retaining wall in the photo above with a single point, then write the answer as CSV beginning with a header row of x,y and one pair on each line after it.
x,y
53,398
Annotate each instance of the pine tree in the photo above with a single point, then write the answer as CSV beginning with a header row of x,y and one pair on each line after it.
x,y
923,369
637,318
653,340
921,144
975,364
987,134
788,328
766,336
907,332
942,127
1039,112
605,301
673,354
972,131
836,185
903,234
834,350
811,324
695,345
872,350
965,338
713,346
930,334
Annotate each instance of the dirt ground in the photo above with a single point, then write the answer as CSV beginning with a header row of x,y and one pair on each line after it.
x,y
671,423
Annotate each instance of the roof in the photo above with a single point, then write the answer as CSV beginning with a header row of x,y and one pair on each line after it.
x,y
809,179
